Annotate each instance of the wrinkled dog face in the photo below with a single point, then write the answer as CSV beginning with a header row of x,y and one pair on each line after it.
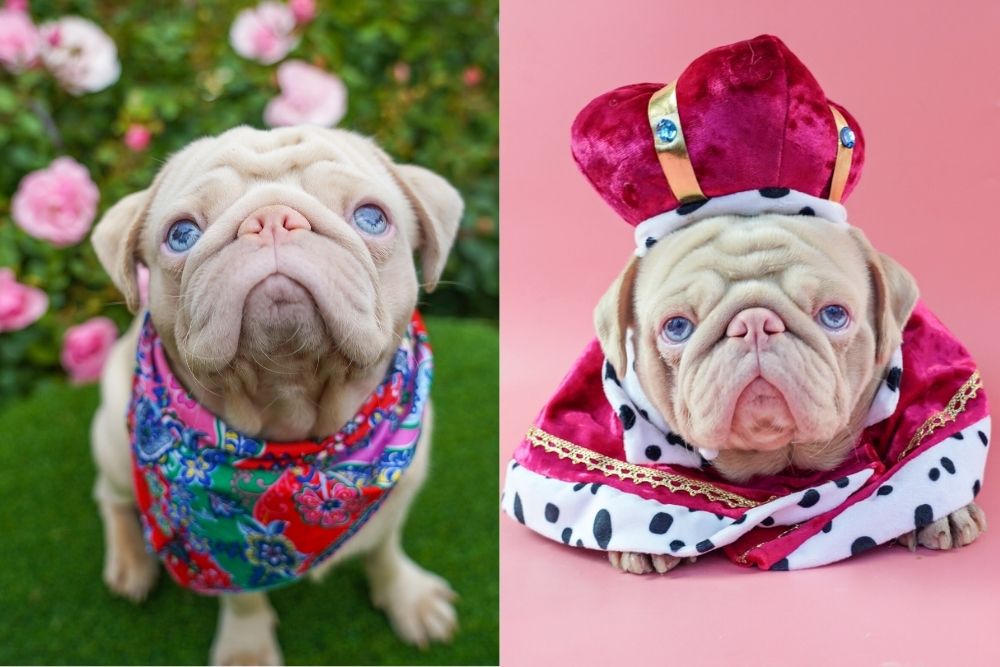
x,y
763,338
268,244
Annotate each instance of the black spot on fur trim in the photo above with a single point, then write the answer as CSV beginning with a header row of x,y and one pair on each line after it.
x,y
676,545
769,521
828,526
841,482
675,439
958,436
660,523
579,485
691,206
810,498
627,415
884,490
594,487
740,520
567,535
934,474
704,545
515,465
892,379
975,488
948,465
602,528
861,545
807,210
653,453
983,439
610,374
518,510
643,413
579,543
774,193
780,566
551,513
923,516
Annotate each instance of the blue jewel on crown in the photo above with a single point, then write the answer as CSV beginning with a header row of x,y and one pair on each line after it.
x,y
666,130
847,137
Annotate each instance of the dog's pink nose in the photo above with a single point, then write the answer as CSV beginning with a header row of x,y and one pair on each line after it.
x,y
755,323
273,222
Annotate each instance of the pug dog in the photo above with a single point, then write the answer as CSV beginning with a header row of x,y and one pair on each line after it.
x,y
281,320
764,340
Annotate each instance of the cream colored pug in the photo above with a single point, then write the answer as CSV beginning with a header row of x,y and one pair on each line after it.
x,y
281,319
744,343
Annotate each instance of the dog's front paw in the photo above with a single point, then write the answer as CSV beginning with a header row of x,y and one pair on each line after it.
x,y
636,563
958,529
129,570
246,635
418,604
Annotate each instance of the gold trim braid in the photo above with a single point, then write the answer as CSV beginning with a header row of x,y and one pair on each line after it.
x,y
671,148
631,472
955,407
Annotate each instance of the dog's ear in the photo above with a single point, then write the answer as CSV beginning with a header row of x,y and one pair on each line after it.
x,y
613,316
439,211
116,241
895,293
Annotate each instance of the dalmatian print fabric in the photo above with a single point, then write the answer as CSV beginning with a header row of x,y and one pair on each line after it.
x,y
649,439
751,202
933,484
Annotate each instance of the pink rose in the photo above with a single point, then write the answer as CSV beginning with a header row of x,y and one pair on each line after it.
x,y
20,305
56,204
308,96
86,347
79,54
137,137
19,40
401,72
472,76
304,11
264,33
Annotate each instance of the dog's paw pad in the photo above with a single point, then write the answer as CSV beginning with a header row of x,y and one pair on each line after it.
x,y
130,573
636,563
419,605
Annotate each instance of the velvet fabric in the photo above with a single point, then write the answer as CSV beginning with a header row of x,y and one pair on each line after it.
x,y
753,117
937,366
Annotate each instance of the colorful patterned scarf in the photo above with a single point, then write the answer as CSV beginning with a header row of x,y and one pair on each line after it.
x,y
230,513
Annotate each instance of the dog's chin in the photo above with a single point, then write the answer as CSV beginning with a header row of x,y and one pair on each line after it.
x,y
280,315
762,419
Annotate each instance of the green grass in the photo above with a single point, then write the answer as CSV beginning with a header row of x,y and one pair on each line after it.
x,y
54,609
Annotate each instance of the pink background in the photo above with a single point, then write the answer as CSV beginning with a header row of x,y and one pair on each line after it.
x,y
921,77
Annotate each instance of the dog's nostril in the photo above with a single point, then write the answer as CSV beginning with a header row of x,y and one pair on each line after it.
x,y
271,219
756,321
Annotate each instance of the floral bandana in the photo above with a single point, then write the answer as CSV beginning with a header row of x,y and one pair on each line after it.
x,y
230,513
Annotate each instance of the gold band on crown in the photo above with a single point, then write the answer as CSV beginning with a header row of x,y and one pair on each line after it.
x,y
845,152
665,123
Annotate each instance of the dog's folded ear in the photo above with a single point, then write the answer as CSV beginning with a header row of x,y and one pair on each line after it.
x,y
439,208
895,293
613,316
116,241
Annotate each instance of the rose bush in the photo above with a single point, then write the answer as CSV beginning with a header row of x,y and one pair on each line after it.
x,y
94,96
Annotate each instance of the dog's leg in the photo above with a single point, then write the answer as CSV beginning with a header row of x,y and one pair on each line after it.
x,y
246,635
129,570
417,602
958,529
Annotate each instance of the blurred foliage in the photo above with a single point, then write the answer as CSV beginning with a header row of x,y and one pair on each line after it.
x,y
181,78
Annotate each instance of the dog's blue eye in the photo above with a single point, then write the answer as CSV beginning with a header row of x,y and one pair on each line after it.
x,y
371,220
678,329
833,318
182,235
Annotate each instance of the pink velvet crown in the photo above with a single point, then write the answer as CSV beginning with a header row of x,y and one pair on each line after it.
x,y
752,117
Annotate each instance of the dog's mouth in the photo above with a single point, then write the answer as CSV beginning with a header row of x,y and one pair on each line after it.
x,y
280,312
